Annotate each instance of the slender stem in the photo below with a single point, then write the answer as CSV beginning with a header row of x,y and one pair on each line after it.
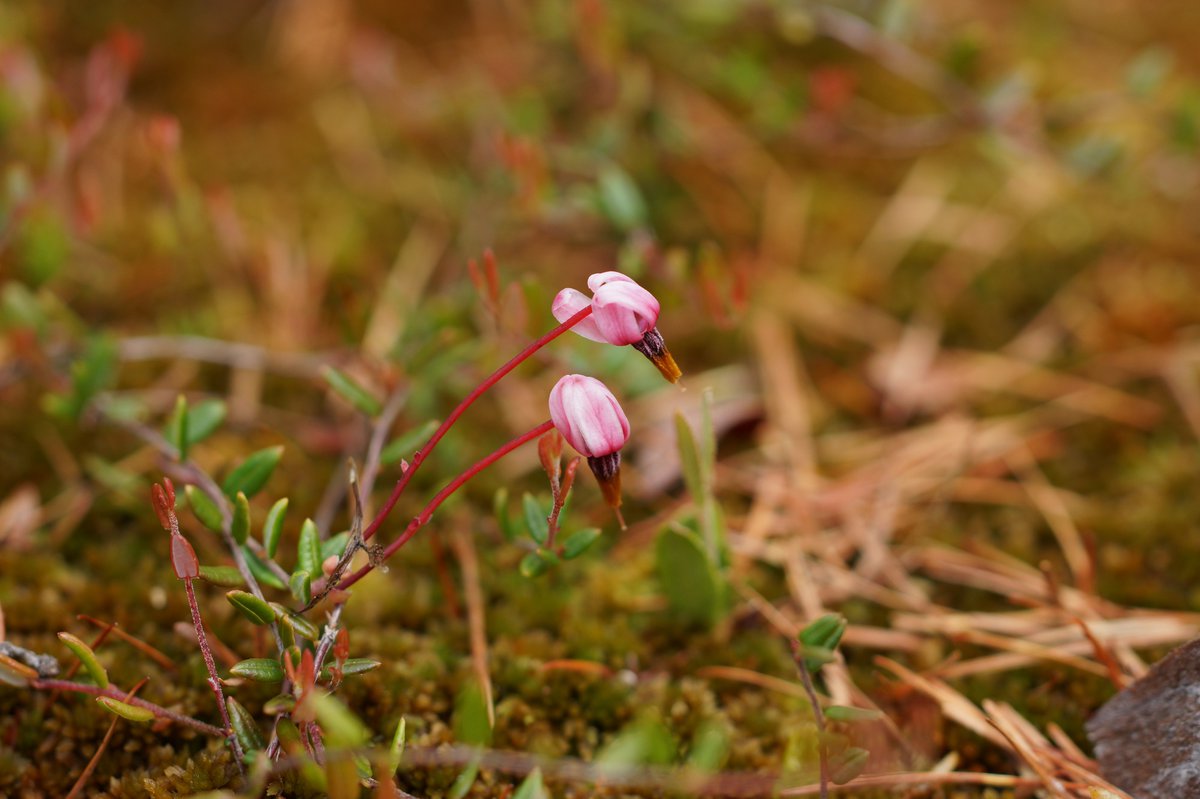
x,y
157,710
214,681
492,379
441,497
818,716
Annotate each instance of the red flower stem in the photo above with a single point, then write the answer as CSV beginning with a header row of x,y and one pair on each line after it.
x,y
442,496
157,710
491,380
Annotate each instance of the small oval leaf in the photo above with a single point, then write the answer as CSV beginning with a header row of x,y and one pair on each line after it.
x,y
177,427
224,576
845,713
247,732
300,585
259,670
15,673
125,710
335,545
205,509
240,526
203,419
87,657
351,391
260,571
252,474
535,519
255,609
273,526
578,542
352,666
308,549
534,565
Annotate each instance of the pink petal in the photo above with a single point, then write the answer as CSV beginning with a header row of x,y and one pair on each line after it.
x,y
600,278
624,312
569,302
588,416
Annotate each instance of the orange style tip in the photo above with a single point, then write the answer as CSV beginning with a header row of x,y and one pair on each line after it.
x,y
611,488
620,518
667,367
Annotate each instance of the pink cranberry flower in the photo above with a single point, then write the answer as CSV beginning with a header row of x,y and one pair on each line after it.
x,y
622,313
591,420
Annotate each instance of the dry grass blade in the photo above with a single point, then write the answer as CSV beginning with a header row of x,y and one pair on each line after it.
x,y
146,649
464,547
956,706
77,788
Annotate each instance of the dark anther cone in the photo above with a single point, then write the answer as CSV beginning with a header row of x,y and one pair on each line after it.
x,y
654,348
607,469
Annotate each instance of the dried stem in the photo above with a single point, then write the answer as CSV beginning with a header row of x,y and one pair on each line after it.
x,y
214,681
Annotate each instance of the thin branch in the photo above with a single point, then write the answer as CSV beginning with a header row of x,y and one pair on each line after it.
x,y
157,710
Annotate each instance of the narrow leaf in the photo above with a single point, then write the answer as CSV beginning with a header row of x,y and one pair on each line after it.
x,y
224,576
177,427
532,787
205,509
261,572
849,765
15,673
466,778
273,526
351,391
396,750
844,713
125,710
255,609
407,443
471,725
535,519
259,670
203,419
335,545
689,457
300,584
300,625
534,565
240,527
500,509
578,542
308,550
352,666
87,657
343,729
244,726
252,474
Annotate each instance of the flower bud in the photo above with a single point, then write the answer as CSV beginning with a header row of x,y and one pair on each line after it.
x,y
591,420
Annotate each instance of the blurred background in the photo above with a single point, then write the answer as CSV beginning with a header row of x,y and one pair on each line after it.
x,y
934,263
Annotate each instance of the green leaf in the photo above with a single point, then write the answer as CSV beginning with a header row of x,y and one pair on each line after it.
x,y
300,625
259,670
91,373
352,666
273,526
125,710
710,746
308,549
342,729
283,703
224,576
579,541
844,713
335,545
240,526
848,765
205,509
407,443
693,587
87,657
534,564
536,521
820,638
689,457
466,778
620,199
351,391
300,584
500,510
177,427
471,725
244,726
256,610
396,750
532,787
260,571
644,742
252,474
203,419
